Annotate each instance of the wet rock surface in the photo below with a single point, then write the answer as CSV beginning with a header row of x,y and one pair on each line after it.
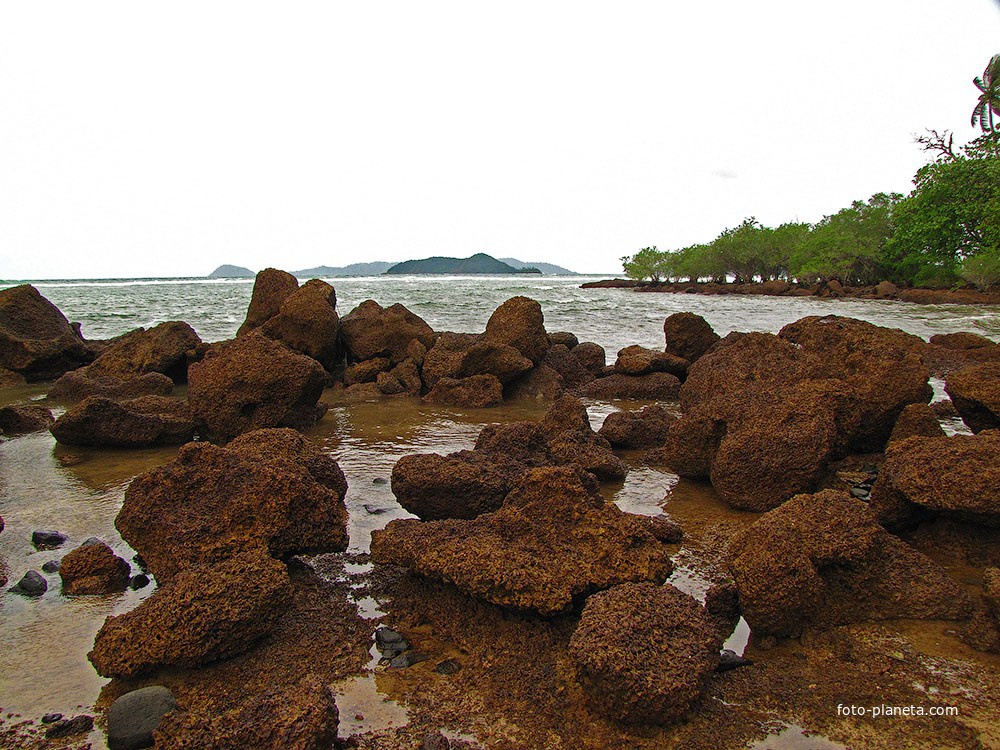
x,y
975,391
134,717
20,419
476,391
93,569
138,422
645,428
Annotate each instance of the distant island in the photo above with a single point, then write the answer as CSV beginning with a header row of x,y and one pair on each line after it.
x,y
480,263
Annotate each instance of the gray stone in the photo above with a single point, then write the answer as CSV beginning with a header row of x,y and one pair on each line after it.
x,y
134,717
45,539
32,584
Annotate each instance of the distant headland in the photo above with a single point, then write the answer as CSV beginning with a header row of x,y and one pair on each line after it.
x,y
480,263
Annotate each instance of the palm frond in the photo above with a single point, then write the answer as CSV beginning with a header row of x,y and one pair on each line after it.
x,y
992,73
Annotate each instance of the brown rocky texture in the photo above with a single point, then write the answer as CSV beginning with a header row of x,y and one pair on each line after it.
x,y
444,358
645,428
370,330
688,335
962,340
656,385
460,355
253,382
11,379
268,487
975,391
637,360
569,366
693,440
644,653
916,420
136,423
553,542
307,322
991,590
956,476
365,372
540,383
271,287
592,356
519,323
19,419
886,290
36,340
93,569
407,373
563,338
162,349
300,717
203,614
389,385
476,391
823,560
79,384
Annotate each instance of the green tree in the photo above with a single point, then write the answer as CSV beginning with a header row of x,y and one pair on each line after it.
x,y
648,263
988,104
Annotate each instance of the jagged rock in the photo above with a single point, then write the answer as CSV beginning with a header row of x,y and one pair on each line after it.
x,y
79,384
656,385
271,287
407,373
645,428
823,560
161,349
269,487
444,358
956,476
477,391
688,336
365,372
253,382
916,420
592,356
389,385
553,541
36,340
540,382
370,330
300,717
568,366
519,323
93,569
644,653
138,422
31,584
20,419
564,338
307,322
457,356
203,614
134,717
637,360
416,351
975,391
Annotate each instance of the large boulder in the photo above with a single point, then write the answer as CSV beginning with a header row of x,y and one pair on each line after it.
x,y
824,560
661,386
19,419
957,476
270,289
519,323
539,383
136,423
552,543
644,653
476,391
975,391
591,356
645,428
688,336
253,382
916,420
637,360
371,330
307,322
161,349
93,569
205,613
36,340
268,487
463,355
570,367
79,384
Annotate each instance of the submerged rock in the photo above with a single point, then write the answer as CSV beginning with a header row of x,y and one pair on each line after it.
x,y
271,288
476,391
161,349
20,419
93,569
553,541
47,539
31,584
644,653
823,559
661,386
138,422
975,391
36,340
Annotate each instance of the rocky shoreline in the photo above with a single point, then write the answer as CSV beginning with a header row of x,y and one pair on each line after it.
x,y
534,611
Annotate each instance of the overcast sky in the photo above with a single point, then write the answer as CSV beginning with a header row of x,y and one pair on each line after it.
x,y
141,139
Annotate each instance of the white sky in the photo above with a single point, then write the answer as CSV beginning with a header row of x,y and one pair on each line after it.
x,y
142,139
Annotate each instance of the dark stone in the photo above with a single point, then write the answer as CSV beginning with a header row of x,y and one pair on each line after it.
x,y
161,349
93,569
407,659
688,335
36,340
134,717
21,419
138,422
380,480
51,718
271,287
52,566
729,659
47,539
448,666
138,581
70,727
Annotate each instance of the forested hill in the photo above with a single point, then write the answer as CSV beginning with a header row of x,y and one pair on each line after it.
x,y
480,263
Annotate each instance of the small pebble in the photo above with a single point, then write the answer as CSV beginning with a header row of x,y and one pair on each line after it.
x,y
52,566
379,480
32,584
47,539
448,666
374,509
359,717
51,718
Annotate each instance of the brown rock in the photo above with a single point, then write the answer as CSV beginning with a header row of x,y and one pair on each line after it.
x,y
11,379
370,330
136,423
564,338
645,428
269,487
568,366
252,382
444,358
307,322
886,290
637,360
591,356
553,542
975,391
644,653
19,419
162,349
389,385
36,340
477,391
916,419
79,384
407,373
538,383
416,350
93,569
365,372
519,322
688,335
205,613
823,560
270,289
693,440
962,341
656,385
